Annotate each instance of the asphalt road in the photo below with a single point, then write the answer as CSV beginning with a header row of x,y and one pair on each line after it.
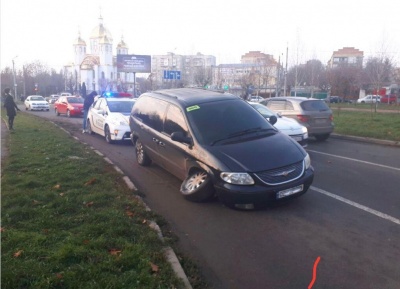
x,y
349,221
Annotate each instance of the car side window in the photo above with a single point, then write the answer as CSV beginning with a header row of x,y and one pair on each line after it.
x,y
151,112
175,121
276,104
103,104
96,104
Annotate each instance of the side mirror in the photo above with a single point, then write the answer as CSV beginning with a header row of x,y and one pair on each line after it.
x,y
273,119
179,137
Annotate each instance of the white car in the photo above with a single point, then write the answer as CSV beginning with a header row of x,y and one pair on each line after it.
x,y
36,102
369,99
109,116
286,125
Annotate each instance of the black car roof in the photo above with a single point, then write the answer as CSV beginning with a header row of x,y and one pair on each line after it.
x,y
192,96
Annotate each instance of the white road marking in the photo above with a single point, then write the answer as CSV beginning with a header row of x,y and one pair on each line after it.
x,y
357,205
355,160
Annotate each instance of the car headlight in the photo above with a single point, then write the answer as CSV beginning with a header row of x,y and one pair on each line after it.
x,y
237,178
307,161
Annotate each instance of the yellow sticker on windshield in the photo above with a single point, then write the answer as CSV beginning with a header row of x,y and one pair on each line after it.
x,y
193,107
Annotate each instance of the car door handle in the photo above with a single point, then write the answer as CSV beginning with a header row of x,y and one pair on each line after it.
x,y
161,143
155,140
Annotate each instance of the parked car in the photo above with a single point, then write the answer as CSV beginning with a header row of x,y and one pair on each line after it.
x,y
287,125
36,102
109,116
53,98
255,98
369,99
69,105
337,99
314,114
391,99
218,144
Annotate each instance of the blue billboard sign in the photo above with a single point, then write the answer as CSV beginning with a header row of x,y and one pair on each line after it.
x,y
172,74
133,63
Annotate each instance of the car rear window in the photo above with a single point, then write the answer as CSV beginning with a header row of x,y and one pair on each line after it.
x,y
314,105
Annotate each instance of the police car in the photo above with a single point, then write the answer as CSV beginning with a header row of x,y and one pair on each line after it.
x,y
109,116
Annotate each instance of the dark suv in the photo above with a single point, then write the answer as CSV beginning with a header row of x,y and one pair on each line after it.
x,y
218,144
313,113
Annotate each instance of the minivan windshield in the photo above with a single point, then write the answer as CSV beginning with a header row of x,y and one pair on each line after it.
x,y
219,122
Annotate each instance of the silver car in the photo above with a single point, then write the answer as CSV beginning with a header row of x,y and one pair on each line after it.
x,y
314,114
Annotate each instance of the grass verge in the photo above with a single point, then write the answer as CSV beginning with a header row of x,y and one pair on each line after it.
x,y
69,220
367,123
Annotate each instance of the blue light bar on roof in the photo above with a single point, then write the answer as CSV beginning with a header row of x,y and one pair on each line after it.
x,y
110,94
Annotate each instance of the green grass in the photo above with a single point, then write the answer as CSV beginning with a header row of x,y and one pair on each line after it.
x,y
69,220
368,123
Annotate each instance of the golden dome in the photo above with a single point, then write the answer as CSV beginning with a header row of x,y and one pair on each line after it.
x,y
101,33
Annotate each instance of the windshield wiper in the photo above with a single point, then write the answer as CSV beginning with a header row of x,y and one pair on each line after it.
x,y
243,132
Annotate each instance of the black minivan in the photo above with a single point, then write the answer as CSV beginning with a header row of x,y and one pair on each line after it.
x,y
218,144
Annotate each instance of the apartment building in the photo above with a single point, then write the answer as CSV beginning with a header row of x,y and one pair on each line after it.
x,y
193,69
346,56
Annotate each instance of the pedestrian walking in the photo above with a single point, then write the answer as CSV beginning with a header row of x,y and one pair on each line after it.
x,y
11,108
89,99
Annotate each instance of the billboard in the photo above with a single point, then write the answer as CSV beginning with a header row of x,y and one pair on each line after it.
x,y
133,63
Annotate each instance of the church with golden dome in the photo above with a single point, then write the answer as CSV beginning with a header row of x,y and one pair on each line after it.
x,y
96,66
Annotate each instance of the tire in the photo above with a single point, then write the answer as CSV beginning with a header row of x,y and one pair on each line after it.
x,y
197,187
56,111
322,137
107,135
89,127
141,157
68,113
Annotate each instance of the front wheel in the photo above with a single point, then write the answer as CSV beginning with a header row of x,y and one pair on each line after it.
x,y
197,187
107,135
141,157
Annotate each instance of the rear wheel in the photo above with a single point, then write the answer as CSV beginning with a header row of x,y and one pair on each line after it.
x,y
322,137
197,187
141,157
107,134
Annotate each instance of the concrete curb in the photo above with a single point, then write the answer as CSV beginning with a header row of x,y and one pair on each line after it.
x,y
168,251
366,140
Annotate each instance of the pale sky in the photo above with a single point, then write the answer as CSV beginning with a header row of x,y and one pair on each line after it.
x,y
45,30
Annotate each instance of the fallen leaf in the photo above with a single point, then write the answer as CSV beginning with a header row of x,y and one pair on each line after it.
x,y
144,221
62,194
35,202
2,229
129,214
154,268
57,186
18,253
89,204
59,276
90,182
86,242
114,252
45,231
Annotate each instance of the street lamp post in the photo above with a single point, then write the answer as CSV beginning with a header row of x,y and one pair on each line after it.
x,y
15,83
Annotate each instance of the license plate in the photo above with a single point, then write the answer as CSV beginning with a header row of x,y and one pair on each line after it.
x,y
297,138
288,192
321,120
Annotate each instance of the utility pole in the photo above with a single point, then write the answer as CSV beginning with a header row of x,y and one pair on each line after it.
x,y
15,83
278,76
285,85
